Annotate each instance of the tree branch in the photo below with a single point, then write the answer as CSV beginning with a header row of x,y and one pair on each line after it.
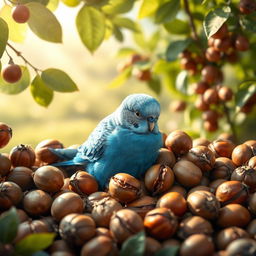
x,y
24,59
191,21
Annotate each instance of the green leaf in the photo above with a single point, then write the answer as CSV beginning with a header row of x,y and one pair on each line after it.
x,y
41,93
182,81
15,88
134,246
168,251
9,222
114,7
126,23
155,85
177,27
126,51
118,34
90,23
3,36
71,3
167,11
215,19
53,5
40,253
140,40
43,2
121,78
33,243
43,23
248,22
17,31
58,80
175,48
148,7
245,91
153,41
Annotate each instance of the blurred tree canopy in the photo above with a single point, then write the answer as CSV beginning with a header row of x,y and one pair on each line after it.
x,y
202,51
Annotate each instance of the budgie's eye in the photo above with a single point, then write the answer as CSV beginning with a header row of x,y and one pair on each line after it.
x,y
137,113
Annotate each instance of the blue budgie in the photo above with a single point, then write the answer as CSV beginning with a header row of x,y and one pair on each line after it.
x,y
128,140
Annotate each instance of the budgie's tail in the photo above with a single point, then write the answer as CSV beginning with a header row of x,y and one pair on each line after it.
x,y
68,163
68,154
64,153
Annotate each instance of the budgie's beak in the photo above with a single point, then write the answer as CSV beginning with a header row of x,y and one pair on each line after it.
x,y
151,126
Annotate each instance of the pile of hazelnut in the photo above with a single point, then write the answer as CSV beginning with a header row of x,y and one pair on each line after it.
x,y
199,196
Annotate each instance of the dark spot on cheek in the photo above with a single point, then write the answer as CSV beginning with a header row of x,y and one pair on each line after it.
x,y
136,125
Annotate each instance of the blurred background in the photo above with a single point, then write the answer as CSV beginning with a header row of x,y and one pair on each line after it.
x,y
72,116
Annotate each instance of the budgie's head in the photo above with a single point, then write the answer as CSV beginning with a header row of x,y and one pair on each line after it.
x,y
139,112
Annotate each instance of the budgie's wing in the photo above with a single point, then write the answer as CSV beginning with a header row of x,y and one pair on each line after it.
x,y
93,148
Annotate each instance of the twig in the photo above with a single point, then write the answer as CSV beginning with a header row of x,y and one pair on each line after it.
x,y
24,59
191,22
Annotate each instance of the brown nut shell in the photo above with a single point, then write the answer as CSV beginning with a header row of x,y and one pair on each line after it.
x,y
76,229
178,142
233,215
158,179
22,155
65,204
49,178
187,173
125,223
204,204
124,187
161,223
173,201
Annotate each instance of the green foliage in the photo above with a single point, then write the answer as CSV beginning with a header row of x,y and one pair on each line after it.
x,y
119,80
246,90
215,19
175,48
248,22
42,94
43,23
9,222
33,243
90,24
167,11
3,36
168,251
58,80
134,246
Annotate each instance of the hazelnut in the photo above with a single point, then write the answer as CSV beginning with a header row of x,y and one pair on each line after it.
x,y
124,187
142,205
204,204
243,246
187,173
201,142
199,243
232,191
202,157
65,204
241,154
233,215
222,169
178,142
5,165
5,134
83,183
22,155
161,223
166,157
125,223
173,201
194,225
222,148
37,202
76,229
158,179
49,178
